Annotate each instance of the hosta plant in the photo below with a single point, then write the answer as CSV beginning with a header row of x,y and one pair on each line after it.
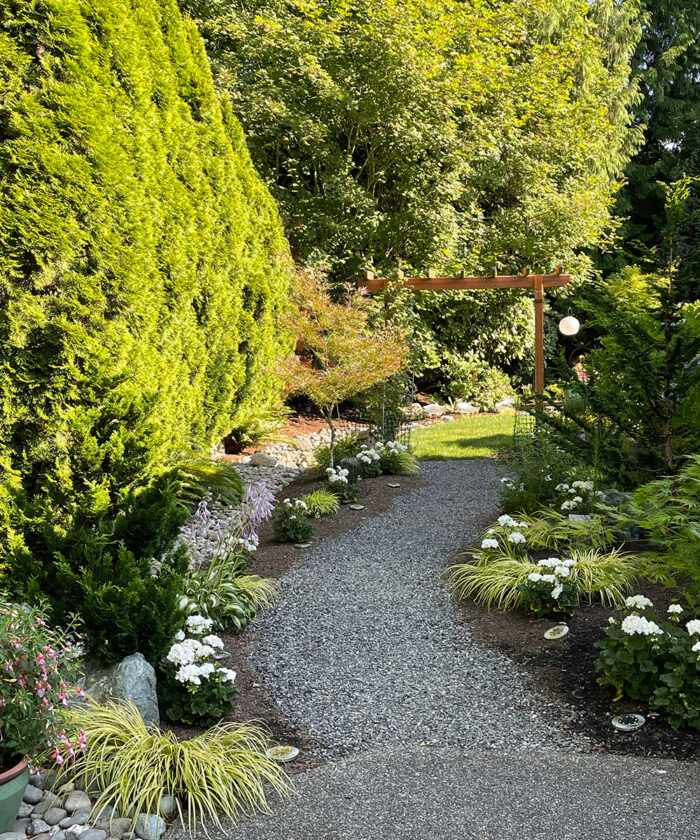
x,y
195,687
222,773
226,593
654,660
321,502
290,523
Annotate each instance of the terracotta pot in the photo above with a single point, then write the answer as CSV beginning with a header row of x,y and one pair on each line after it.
x,y
13,781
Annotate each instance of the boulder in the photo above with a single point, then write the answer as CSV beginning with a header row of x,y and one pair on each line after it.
x,y
262,459
131,679
466,408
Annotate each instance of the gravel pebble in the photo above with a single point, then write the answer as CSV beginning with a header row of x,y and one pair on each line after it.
x,y
367,649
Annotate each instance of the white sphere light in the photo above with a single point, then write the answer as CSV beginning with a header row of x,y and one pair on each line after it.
x,y
569,325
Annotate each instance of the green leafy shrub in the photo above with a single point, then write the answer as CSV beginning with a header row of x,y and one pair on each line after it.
x,y
668,511
340,483
290,523
136,319
224,771
321,502
475,380
195,688
554,530
396,459
654,661
345,447
552,591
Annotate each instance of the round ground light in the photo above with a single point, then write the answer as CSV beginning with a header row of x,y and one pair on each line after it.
x,y
282,753
301,545
556,632
356,507
392,484
628,722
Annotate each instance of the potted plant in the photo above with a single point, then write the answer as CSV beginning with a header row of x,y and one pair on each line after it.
x,y
36,668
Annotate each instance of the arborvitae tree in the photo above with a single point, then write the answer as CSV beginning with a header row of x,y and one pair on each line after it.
x,y
418,133
142,262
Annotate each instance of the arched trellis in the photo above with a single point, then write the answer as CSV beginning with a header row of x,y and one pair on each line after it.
x,y
537,282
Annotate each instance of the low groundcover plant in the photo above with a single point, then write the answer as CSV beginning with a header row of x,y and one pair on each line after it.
x,y
290,524
654,660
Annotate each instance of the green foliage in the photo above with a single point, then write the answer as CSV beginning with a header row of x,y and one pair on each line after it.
x,y
331,115
137,319
532,470
347,492
655,661
344,447
396,459
321,502
669,512
538,597
635,415
550,528
476,381
223,771
225,594
290,523
218,478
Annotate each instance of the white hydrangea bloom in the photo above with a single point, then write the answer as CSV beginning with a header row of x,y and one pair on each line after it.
x,y
637,624
638,602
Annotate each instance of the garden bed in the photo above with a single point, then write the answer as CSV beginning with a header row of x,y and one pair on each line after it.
x,y
273,559
564,671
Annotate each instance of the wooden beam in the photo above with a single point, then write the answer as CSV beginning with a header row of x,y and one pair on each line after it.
x,y
504,281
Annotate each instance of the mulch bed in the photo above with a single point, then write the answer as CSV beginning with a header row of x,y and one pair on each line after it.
x,y
563,670
273,560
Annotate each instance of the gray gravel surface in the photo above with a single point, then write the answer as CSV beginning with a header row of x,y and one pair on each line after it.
x,y
366,649
452,794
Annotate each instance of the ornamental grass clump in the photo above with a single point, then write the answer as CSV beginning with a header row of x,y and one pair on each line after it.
x,y
503,573
221,773
654,660
195,687
321,502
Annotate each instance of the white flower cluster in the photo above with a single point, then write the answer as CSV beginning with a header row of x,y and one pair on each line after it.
x,y
249,543
571,504
674,609
298,506
393,446
637,624
561,569
506,521
192,656
516,538
696,647
693,627
638,602
489,543
368,456
337,475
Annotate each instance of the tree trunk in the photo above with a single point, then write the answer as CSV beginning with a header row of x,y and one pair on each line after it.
x,y
328,417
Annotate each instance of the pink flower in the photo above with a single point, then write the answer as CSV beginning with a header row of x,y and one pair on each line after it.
x,y
80,692
57,757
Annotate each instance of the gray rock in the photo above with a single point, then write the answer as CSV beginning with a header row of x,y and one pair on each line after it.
x,y
79,818
167,806
36,827
75,830
38,780
53,816
49,800
132,679
59,835
44,836
77,802
13,835
25,809
615,498
94,834
149,827
108,812
117,826
262,459
21,825
32,795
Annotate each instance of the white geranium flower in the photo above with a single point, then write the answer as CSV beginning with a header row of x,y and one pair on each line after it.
x,y
516,538
562,571
638,602
637,624
190,674
611,620
227,674
534,577
487,543
693,627
180,636
561,488
549,562
198,624
696,647
556,591
506,520
568,505
213,641
674,609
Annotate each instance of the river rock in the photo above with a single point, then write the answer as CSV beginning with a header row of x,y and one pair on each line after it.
x,y
77,802
21,825
131,679
36,827
116,827
262,459
79,818
93,834
25,809
53,816
13,835
49,800
32,795
149,827
447,418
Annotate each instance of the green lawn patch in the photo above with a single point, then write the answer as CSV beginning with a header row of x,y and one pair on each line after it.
x,y
481,436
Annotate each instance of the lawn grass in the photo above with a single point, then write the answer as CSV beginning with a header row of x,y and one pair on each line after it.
x,y
480,436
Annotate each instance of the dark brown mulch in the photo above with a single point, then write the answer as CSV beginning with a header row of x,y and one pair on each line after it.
x,y
273,560
563,670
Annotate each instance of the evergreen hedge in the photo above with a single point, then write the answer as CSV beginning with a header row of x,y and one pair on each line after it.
x,y
142,262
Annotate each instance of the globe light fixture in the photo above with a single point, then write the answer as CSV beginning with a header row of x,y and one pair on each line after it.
x,y
569,325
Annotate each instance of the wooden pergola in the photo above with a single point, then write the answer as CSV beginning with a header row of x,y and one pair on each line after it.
x,y
537,282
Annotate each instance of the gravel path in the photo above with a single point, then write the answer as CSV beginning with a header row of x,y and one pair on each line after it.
x,y
366,650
